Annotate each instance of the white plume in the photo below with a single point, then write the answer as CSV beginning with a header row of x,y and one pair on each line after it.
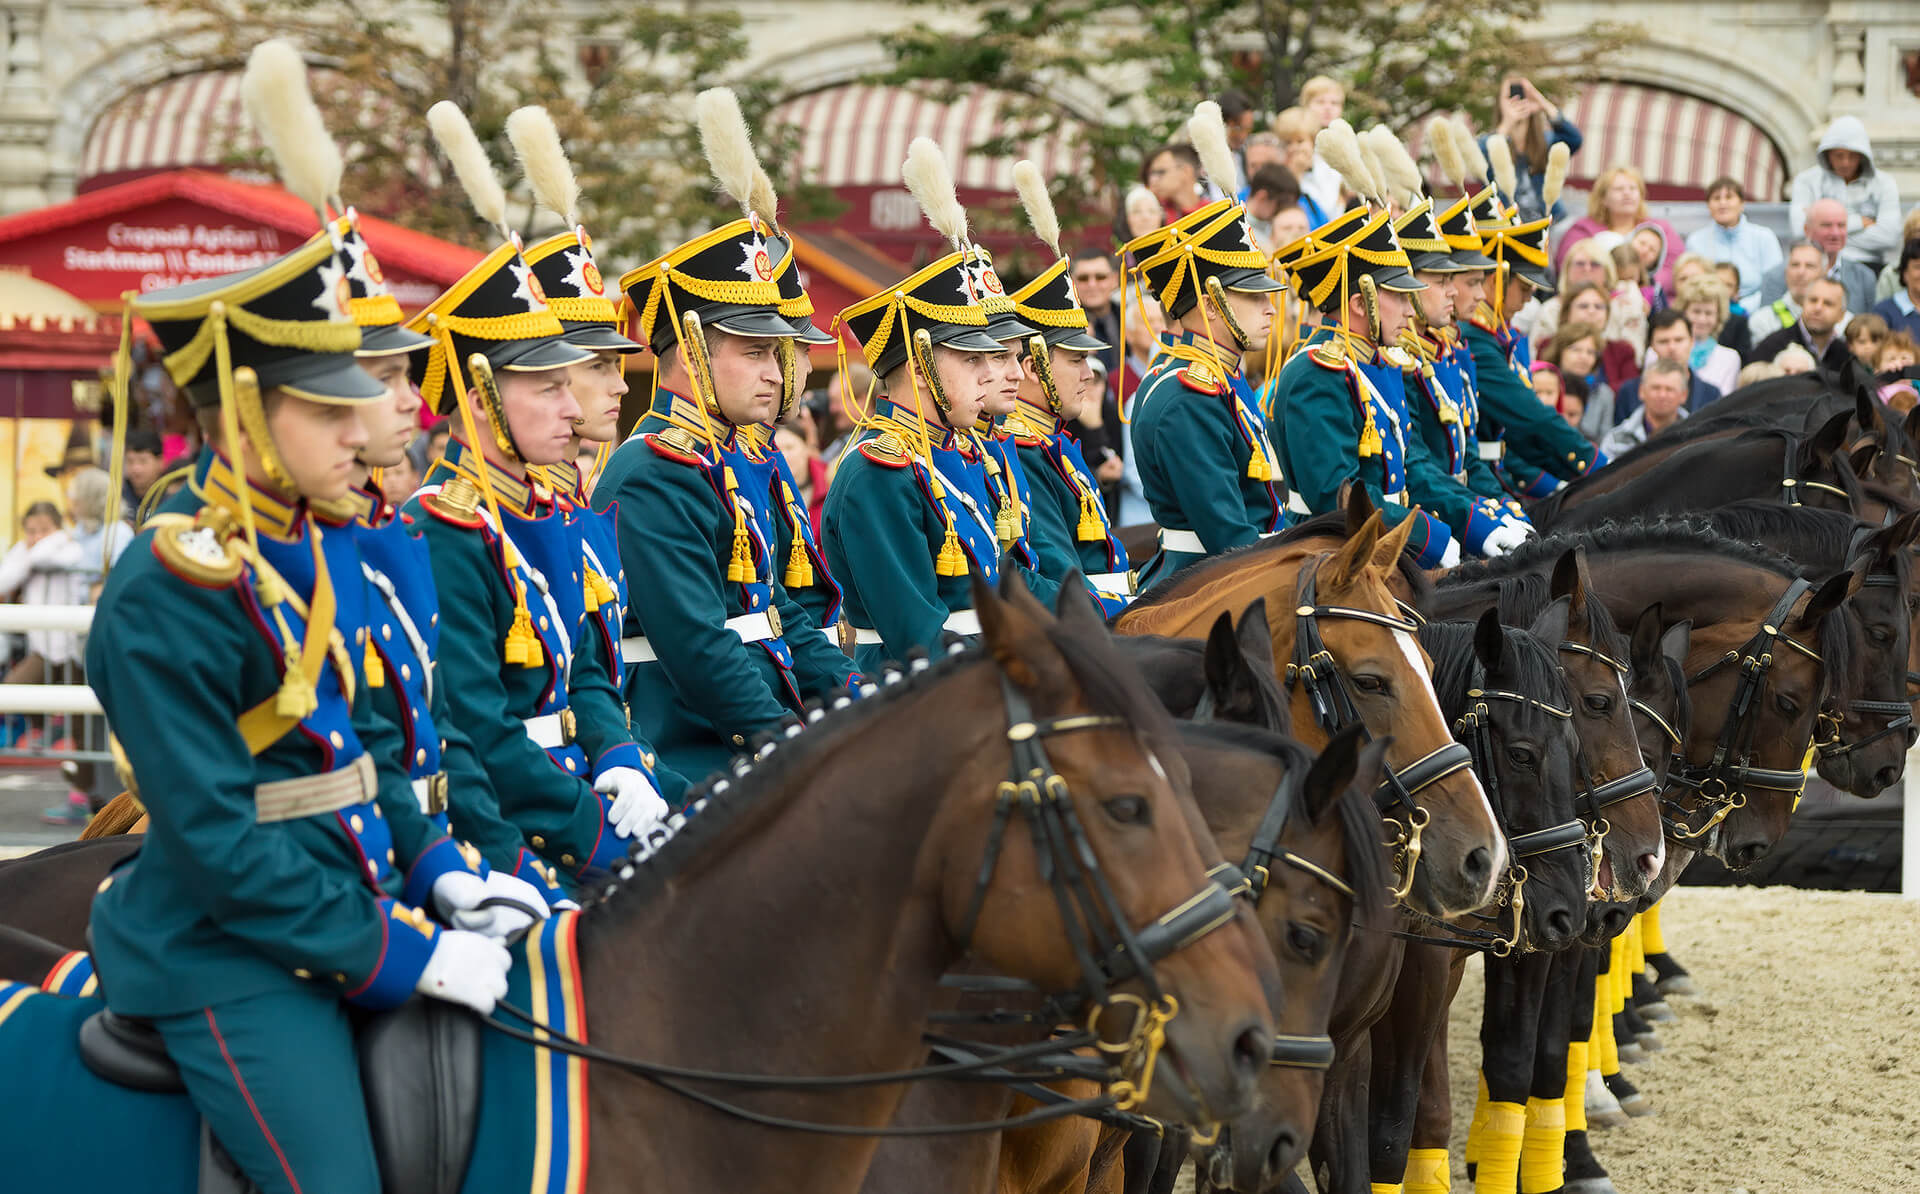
x,y
727,142
762,200
1440,136
1558,159
929,181
1208,130
1402,176
1340,148
283,112
1039,204
470,162
544,159
1370,154
1470,152
1501,155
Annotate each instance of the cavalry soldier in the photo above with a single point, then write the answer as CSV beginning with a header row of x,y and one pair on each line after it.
x,y
904,528
717,649
288,867
543,714
1069,527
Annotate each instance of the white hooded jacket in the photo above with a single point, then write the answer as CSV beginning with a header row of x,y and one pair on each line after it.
x,y
1870,196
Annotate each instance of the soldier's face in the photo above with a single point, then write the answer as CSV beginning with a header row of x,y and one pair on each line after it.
x,y
746,378
965,378
1436,301
1073,377
1396,311
1254,314
317,443
1467,288
541,410
393,422
599,385
1006,389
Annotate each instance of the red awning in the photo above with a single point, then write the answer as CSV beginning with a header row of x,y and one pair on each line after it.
x,y
1679,143
188,120
183,225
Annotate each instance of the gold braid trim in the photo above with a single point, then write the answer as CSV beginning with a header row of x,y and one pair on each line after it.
x,y
1072,317
1519,248
584,309
524,325
307,335
376,310
969,315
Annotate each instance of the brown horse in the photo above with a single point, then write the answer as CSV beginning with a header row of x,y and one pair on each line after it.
x,y
1350,655
800,922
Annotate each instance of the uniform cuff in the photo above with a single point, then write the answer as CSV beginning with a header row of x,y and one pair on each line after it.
x,y
1541,485
626,754
1437,536
441,858
407,939
543,877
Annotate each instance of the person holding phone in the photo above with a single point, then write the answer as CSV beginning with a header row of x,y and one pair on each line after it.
x,y
1532,124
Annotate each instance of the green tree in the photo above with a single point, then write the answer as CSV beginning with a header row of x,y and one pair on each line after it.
x,y
619,84
1401,60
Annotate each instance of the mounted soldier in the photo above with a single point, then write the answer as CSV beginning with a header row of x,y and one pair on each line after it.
x,y
718,651
540,706
288,869
906,523
1206,466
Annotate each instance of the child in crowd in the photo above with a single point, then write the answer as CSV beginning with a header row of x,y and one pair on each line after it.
x,y
1546,384
1866,335
1574,404
1898,353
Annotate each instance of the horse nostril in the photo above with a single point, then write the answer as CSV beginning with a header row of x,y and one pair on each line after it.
x,y
1560,923
1649,864
1478,864
1252,1049
1886,777
1282,1155
1615,920
1746,855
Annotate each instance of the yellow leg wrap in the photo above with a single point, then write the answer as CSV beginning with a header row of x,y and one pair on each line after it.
x,y
1576,1096
1651,938
1636,953
1477,1129
1428,1172
1385,1188
1543,1146
1617,971
1499,1171
1603,1049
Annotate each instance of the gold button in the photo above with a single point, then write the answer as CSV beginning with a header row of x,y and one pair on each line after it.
x,y
539,843
406,671
357,823
339,977
434,620
302,972
647,758
570,766
567,859
104,884
543,621
386,633
420,757
336,739
739,739
389,855
373,868
360,635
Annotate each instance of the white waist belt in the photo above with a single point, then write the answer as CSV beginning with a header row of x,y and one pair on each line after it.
x,y
1297,504
1492,449
964,621
1114,584
431,792
752,628
1189,542
550,731
311,795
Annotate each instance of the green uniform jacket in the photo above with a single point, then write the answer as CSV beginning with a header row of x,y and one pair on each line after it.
x,y
1054,528
1537,439
707,692
1436,370
1195,433
218,905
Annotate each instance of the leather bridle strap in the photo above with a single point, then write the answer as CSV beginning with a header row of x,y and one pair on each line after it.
x,y
1899,714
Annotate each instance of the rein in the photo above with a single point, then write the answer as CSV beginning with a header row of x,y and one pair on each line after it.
x,y
1899,714
1314,669
1636,783
1721,783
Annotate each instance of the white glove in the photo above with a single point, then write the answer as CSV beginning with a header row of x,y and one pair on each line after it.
x,y
1503,539
456,895
637,806
564,906
501,920
1451,556
466,968
1519,524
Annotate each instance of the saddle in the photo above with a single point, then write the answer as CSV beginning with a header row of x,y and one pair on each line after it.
x,y
420,1068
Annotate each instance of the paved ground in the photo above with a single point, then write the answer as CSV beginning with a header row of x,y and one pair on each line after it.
x,y
24,793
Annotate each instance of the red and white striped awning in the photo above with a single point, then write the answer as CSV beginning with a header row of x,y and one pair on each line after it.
x,y
1678,142
188,120
857,135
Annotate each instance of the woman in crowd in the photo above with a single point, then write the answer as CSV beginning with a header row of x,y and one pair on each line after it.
x,y
1584,264
1576,351
809,470
1703,299
1616,208
1296,128
1532,125
1732,237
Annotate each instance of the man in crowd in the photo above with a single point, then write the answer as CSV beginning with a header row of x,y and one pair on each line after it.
x,y
1173,175
1902,311
1672,341
1732,237
1661,404
1869,199
1237,110
1788,282
1825,227
142,465
1819,330
1271,190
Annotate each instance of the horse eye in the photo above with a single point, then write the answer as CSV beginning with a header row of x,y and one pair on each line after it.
x,y
1305,941
1599,702
1880,635
1128,810
1369,682
1520,756
1786,704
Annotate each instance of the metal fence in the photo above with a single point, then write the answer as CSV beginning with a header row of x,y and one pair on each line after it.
x,y
58,720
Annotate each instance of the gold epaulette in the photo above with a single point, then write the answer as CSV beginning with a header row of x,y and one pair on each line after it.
x,y
1328,354
458,499
888,448
1398,357
202,548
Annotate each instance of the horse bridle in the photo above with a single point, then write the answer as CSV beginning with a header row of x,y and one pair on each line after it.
x,y
1319,674
1722,782
1108,949
1289,1050
1597,797
1899,714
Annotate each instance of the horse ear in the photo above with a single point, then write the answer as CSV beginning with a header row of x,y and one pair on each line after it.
x,y
1895,536
1826,441
1866,407
1074,604
1551,624
1014,629
1358,504
1327,780
1255,636
1912,426
1570,577
1386,553
1354,554
1861,458
1489,640
1220,660
1677,640
1644,647
1830,595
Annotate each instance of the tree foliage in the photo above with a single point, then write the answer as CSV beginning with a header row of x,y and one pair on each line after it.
x,y
1401,60
619,85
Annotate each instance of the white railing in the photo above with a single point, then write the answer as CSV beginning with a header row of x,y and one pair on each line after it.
x,y
18,619
46,698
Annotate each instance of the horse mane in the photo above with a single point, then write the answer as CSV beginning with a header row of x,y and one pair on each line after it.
x,y
1359,819
1811,536
724,802
1334,522
1532,665
1163,591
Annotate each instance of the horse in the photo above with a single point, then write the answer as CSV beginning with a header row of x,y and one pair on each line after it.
x,y
1351,656
874,819
1763,645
